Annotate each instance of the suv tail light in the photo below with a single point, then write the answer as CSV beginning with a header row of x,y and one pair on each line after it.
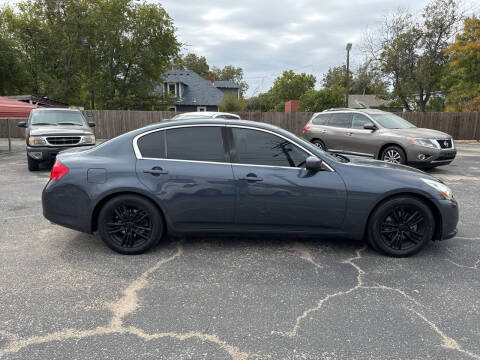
x,y
58,171
306,128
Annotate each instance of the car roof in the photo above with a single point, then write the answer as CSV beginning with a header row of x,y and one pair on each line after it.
x,y
366,111
205,114
55,109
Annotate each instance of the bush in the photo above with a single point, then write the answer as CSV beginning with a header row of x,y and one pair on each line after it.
x,y
231,103
319,100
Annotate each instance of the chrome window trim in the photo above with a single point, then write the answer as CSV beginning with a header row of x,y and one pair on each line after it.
x,y
139,156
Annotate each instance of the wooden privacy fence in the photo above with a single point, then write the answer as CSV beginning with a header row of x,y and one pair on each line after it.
x,y
111,123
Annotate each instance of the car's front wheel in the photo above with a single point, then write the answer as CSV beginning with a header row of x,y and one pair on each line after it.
x,y
130,224
401,226
394,154
32,164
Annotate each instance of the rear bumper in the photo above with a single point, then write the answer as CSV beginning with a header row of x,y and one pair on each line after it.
x,y
449,213
45,153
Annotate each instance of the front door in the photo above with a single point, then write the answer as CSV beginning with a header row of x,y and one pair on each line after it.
x,y
360,140
276,192
188,170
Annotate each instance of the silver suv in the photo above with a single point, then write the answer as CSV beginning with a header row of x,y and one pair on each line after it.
x,y
379,135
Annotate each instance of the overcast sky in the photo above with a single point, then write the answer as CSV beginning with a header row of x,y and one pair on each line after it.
x,y
267,37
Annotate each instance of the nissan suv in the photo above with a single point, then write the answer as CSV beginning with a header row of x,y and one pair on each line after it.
x,y
379,135
50,131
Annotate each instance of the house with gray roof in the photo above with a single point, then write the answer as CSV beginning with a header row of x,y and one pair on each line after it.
x,y
193,92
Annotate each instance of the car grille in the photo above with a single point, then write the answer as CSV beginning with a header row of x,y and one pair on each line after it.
x,y
445,144
63,140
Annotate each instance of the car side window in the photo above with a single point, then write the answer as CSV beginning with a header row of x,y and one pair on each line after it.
x,y
199,143
152,145
261,148
321,119
359,120
341,120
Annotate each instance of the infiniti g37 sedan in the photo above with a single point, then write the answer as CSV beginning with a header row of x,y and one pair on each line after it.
x,y
233,177
380,135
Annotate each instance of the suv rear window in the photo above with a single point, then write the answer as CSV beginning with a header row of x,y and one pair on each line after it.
x,y
321,119
341,120
199,143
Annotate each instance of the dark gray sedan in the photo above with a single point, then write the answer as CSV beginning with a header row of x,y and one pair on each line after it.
x,y
232,177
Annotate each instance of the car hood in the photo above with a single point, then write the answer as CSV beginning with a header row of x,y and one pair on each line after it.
x,y
385,165
419,133
59,130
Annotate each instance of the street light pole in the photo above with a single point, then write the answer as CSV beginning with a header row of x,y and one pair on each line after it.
x,y
347,81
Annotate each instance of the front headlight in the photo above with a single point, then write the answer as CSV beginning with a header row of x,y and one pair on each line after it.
x,y
36,140
442,188
425,142
89,139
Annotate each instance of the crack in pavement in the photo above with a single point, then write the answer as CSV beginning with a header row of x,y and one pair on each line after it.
x,y
126,305
448,342
305,254
474,267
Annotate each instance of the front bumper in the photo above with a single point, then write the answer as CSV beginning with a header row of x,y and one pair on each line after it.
x,y
432,157
45,153
449,214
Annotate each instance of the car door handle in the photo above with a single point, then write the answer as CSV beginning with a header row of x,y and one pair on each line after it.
x,y
155,171
251,177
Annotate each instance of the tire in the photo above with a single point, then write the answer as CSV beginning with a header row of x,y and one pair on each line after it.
x,y
32,164
130,224
401,226
394,154
320,144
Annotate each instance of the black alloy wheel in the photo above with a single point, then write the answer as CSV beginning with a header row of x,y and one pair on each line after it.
x,y
320,144
130,224
401,226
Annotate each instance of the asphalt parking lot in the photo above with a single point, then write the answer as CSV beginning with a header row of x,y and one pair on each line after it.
x,y
65,295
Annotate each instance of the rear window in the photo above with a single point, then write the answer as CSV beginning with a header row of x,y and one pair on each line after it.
x,y
152,145
321,119
341,120
199,143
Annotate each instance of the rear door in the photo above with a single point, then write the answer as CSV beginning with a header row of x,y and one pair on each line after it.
x,y
187,168
274,190
338,124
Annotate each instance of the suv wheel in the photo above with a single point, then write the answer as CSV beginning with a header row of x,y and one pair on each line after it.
x,y
401,226
130,224
394,154
320,144
32,164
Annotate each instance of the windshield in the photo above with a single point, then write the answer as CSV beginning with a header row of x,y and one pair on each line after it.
x,y
56,117
391,121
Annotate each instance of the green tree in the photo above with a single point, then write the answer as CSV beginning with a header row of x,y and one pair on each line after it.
x,y
319,100
195,63
290,86
464,68
412,53
335,76
231,73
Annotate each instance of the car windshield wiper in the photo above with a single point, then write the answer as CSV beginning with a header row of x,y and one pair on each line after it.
x,y
40,123
68,123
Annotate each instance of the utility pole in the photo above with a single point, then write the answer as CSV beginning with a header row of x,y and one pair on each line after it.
x,y
347,79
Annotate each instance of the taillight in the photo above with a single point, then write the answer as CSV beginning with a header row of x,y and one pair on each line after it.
x,y
306,128
58,171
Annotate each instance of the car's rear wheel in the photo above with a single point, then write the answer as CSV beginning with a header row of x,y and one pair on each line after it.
x,y
320,144
394,154
130,224
401,226
32,164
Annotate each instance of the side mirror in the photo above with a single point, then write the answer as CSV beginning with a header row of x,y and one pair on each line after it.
x,y
313,163
91,124
22,124
369,126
